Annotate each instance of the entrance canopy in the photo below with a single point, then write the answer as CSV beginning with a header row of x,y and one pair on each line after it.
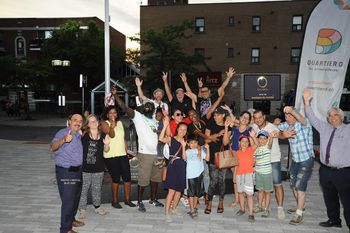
x,y
100,89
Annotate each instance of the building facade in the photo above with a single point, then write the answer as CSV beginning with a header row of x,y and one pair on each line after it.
x,y
257,38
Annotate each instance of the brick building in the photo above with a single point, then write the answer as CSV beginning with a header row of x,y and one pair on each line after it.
x,y
257,38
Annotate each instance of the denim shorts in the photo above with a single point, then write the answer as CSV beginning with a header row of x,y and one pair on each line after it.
x,y
300,173
276,173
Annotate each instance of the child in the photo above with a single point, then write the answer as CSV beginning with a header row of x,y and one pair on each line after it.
x,y
245,173
194,169
263,171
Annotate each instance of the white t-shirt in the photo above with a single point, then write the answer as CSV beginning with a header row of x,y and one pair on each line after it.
x,y
275,150
146,132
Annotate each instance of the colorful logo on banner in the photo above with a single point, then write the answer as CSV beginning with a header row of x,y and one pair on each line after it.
x,y
328,41
342,4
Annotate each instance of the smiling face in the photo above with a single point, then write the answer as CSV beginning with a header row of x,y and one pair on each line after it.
x,y
335,118
219,118
243,143
178,116
112,114
92,122
193,144
259,119
193,115
158,95
262,140
75,123
290,118
205,92
244,119
180,95
181,130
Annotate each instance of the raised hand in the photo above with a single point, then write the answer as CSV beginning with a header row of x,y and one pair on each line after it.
x,y
166,120
252,133
114,90
273,134
138,82
106,140
288,109
231,72
190,95
165,76
228,121
183,77
277,121
227,108
200,83
69,137
307,96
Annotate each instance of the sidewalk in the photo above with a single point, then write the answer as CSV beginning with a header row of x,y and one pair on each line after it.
x,y
29,202
38,120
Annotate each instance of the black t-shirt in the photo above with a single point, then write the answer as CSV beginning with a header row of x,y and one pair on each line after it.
x,y
200,127
185,106
93,154
203,105
216,146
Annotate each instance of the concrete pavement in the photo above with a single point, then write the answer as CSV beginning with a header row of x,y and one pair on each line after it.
x,y
29,202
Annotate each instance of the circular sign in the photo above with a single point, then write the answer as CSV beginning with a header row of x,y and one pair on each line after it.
x,y
262,82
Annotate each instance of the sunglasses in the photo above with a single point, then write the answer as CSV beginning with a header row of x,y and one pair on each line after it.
x,y
178,114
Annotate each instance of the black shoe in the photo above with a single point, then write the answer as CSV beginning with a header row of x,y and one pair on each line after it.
x,y
141,206
329,223
117,205
156,203
129,203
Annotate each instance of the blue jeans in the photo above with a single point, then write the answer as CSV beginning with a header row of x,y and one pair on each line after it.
x,y
300,173
276,173
206,178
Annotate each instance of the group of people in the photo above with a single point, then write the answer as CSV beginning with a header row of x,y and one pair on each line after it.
x,y
194,127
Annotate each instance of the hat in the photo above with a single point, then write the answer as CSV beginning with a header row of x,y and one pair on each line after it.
x,y
220,110
179,89
243,136
263,133
158,90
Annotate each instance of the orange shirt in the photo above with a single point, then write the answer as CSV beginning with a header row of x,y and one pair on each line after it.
x,y
246,161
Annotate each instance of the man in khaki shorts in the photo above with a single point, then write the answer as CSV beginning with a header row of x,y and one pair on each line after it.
x,y
146,128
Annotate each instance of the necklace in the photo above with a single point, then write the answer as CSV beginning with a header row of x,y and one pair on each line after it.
x,y
198,127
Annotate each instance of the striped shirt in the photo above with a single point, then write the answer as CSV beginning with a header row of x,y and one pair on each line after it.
x,y
301,145
262,156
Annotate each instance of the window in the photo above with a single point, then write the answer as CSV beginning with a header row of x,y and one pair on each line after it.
x,y
20,46
297,24
295,55
199,52
230,52
231,21
256,23
255,56
200,25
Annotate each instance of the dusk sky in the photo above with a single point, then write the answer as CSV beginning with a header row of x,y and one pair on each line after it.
x,y
125,14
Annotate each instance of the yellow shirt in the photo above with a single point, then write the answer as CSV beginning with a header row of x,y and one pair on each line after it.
x,y
117,144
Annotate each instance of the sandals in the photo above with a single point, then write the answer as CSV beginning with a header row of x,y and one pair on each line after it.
x,y
220,210
77,223
207,211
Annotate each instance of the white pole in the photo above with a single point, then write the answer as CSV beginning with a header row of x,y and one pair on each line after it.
x,y
107,49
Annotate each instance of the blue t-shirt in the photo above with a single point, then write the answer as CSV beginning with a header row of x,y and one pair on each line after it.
x,y
195,165
236,134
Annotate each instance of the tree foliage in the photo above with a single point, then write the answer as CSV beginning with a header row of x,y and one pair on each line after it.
x,y
162,51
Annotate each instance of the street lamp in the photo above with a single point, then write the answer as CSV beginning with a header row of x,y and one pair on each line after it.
x,y
61,97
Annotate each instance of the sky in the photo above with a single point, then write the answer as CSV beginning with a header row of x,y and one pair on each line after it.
x,y
125,14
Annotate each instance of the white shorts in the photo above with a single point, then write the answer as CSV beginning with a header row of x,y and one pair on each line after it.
x,y
245,183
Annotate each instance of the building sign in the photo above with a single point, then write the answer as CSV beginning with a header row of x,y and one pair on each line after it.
x,y
210,79
262,87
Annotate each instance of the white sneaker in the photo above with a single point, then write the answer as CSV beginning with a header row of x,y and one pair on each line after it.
x,y
82,214
184,201
280,213
101,211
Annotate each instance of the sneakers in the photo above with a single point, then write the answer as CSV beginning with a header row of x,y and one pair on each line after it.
x,y
280,213
251,218
117,205
292,211
240,212
258,210
156,203
185,202
82,214
266,213
141,206
296,220
130,204
101,211
168,218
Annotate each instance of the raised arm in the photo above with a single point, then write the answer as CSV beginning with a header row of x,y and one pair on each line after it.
x,y
200,86
187,87
138,84
297,115
226,139
166,86
252,138
163,136
122,105
215,105
229,74
315,122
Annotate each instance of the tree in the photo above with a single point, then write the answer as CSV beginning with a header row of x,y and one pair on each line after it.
x,y
163,52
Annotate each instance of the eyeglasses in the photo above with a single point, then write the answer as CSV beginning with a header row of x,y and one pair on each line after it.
x,y
178,114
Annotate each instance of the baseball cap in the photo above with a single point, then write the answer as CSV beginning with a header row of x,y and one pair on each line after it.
x,y
179,89
158,90
263,133
220,110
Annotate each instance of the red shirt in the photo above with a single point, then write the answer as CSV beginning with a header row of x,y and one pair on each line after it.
x,y
246,161
173,125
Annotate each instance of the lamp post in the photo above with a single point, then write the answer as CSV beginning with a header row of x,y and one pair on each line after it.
x,y
82,85
61,97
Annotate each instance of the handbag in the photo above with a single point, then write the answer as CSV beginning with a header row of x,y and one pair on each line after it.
x,y
165,168
225,158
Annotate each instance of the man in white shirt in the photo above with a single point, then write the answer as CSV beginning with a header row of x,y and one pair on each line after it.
x,y
260,123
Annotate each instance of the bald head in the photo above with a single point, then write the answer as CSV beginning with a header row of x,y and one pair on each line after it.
x,y
75,122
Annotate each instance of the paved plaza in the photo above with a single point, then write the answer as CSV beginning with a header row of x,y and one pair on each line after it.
x,y
29,202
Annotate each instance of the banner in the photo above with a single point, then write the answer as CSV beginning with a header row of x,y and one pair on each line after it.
x,y
325,56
